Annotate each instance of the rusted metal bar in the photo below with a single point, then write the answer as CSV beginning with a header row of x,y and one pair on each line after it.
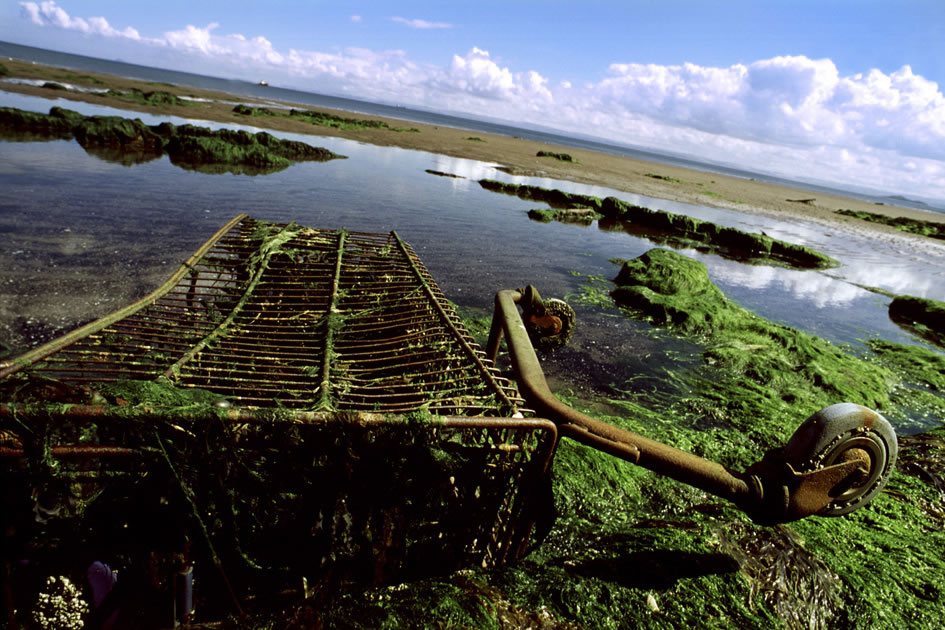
x,y
661,458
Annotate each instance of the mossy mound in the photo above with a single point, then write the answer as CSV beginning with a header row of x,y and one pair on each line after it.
x,y
922,316
117,132
131,142
664,286
776,364
576,216
674,229
736,243
321,119
156,98
931,229
553,197
57,125
561,157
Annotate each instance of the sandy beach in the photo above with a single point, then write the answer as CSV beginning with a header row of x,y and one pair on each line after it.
x,y
517,155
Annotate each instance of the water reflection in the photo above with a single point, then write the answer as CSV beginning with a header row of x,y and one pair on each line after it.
x,y
814,289
474,241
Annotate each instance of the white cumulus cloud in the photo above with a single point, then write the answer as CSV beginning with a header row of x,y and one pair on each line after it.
x,y
50,14
789,115
420,24
476,74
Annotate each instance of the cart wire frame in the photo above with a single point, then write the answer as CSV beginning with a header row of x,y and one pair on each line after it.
x,y
331,361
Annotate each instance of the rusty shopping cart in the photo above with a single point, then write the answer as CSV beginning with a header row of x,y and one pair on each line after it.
x,y
303,402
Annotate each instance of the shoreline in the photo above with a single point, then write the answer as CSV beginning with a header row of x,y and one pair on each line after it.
x,y
517,156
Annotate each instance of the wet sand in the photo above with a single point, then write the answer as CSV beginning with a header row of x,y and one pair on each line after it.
x,y
517,155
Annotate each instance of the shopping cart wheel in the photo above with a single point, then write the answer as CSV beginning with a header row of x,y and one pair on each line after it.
x,y
837,433
550,329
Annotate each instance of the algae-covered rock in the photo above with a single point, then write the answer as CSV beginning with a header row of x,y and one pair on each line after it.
x,y
923,316
157,98
664,286
561,157
189,146
776,362
16,123
673,229
321,119
728,240
117,132
576,216
932,229
554,198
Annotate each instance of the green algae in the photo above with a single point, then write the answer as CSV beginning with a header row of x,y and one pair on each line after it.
x,y
320,119
922,316
920,396
664,178
128,142
156,98
919,364
778,366
931,229
574,216
673,229
561,157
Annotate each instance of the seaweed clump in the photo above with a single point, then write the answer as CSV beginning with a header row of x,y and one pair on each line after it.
x,y
128,141
931,229
157,98
578,216
770,364
321,119
561,157
675,229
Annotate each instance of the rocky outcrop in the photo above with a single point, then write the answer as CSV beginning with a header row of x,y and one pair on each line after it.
x,y
131,141
674,229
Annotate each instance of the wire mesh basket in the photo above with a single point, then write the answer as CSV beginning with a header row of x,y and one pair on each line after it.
x,y
293,401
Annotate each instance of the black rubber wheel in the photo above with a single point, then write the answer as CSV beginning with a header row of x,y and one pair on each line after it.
x,y
824,438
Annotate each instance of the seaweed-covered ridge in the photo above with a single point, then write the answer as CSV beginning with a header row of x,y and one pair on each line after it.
x,y
676,229
321,119
931,229
128,141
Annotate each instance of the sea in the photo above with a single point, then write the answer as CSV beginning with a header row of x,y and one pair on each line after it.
x,y
81,236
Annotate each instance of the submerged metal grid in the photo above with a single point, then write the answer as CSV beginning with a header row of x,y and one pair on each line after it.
x,y
276,315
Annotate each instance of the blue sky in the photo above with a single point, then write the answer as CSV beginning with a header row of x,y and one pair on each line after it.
x,y
844,91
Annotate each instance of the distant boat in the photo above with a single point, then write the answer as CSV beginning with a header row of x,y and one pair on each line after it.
x,y
264,83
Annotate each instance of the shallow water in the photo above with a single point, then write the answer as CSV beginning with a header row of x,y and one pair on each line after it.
x,y
82,237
